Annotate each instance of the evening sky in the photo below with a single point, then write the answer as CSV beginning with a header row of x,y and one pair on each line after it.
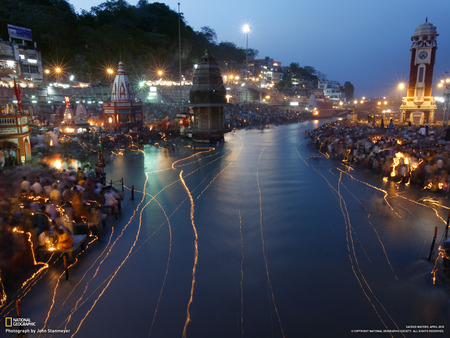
x,y
361,41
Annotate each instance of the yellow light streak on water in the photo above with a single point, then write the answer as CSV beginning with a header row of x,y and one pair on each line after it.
x,y
44,265
441,254
53,300
194,268
374,229
57,284
197,160
167,267
241,284
384,250
193,155
352,255
87,284
424,205
3,294
362,281
123,261
220,172
373,187
111,276
263,243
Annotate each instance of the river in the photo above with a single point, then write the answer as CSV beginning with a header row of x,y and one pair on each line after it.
x,y
259,237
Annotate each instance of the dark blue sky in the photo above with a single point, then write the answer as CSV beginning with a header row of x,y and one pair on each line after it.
x,y
361,41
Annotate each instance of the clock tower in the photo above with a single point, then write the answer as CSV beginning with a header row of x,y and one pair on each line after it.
x,y
418,106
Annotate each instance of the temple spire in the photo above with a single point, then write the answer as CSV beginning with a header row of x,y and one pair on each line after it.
x,y
122,89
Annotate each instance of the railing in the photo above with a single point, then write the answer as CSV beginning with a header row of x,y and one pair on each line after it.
x,y
8,121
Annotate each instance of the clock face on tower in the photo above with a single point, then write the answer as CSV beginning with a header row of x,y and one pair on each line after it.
x,y
423,55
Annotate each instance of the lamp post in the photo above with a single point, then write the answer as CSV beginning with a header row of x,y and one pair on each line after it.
x,y
246,30
401,87
179,55
445,83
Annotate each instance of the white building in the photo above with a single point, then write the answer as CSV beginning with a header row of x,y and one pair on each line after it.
x,y
331,90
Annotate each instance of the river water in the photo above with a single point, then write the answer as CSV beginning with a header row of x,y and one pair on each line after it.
x,y
260,237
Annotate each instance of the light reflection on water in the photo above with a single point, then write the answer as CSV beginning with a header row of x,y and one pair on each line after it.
x,y
305,244
319,255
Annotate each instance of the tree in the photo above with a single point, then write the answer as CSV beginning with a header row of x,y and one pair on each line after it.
x,y
348,91
209,34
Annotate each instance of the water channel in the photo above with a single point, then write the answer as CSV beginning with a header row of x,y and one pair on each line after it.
x,y
259,237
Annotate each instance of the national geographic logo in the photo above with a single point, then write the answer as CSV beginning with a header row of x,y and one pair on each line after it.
x,y
26,326
8,322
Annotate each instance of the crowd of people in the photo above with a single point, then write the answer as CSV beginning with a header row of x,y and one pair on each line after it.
x,y
239,116
43,208
411,154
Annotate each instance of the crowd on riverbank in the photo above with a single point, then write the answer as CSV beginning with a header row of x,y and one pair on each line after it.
x,y
406,153
240,116
39,207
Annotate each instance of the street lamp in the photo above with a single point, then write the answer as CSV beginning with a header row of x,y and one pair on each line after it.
x,y
58,72
246,30
401,87
445,83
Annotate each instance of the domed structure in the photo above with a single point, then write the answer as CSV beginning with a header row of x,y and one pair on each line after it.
x,y
207,97
425,29
207,85
122,110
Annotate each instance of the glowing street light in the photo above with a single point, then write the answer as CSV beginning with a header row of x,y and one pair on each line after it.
x,y
441,84
246,30
401,87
